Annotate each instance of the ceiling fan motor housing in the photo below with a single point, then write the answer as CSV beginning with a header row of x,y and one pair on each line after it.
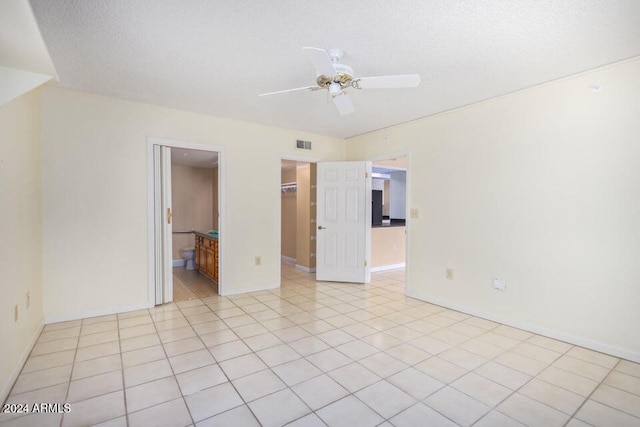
x,y
343,75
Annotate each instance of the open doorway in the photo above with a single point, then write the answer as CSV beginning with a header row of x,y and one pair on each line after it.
x,y
389,214
297,213
194,200
184,248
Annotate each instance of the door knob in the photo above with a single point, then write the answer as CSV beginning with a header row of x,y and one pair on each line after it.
x,y
321,227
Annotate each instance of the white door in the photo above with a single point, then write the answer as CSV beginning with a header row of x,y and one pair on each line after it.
x,y
343,235
163,227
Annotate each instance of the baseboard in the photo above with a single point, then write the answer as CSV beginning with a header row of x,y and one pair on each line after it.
x,y
6,387
387,267
251,289
95,313
550,333
288,259
305,269
179,262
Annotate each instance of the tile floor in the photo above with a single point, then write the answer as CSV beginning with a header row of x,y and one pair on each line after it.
x,y
189,284
315,354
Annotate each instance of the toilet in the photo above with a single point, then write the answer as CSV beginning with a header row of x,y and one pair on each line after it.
x,y
189,254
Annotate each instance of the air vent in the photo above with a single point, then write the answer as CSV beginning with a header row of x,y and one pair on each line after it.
x,y
303,145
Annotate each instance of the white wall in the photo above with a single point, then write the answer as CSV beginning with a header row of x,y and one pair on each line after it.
x,y
541,189
20,233
95,197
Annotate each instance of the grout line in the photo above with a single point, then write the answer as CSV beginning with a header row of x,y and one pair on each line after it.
x,y
73,365
387,302
175,379
591,394
124,385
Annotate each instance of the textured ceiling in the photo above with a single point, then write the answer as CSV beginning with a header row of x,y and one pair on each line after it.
x,y
193,158
215,57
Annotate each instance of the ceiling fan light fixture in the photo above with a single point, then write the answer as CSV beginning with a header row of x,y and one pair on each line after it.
x,y
335,89
336,78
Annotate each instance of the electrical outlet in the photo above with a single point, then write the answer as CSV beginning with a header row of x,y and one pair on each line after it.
x,y
28,299
450,273
15,313
414,213
258,260
499,284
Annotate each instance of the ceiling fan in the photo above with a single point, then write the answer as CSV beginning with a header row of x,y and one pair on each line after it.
x,y
337,78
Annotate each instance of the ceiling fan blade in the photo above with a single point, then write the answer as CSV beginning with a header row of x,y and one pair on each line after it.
x,y
388,82
320,59
343,104
290,90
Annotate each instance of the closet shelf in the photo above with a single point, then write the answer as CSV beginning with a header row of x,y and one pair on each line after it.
x,y
286,186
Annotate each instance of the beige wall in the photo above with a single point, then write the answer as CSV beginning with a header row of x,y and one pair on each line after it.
x,y
20,233
288,215
95,197
387,246
396,162
192,204
303,208
539,188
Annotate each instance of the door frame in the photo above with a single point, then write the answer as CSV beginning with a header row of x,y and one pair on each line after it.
x,y
389,156
151,189
293,158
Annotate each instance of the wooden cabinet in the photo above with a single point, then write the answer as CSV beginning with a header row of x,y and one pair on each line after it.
x,y
207,257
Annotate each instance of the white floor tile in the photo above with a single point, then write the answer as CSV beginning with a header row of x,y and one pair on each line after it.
x,y
257,385
278,408
212,401
385,398
348,412
319,391
311,354
457,406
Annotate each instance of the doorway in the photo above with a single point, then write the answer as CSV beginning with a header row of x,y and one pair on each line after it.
x,y
389,213
164,246
194,203
297,214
